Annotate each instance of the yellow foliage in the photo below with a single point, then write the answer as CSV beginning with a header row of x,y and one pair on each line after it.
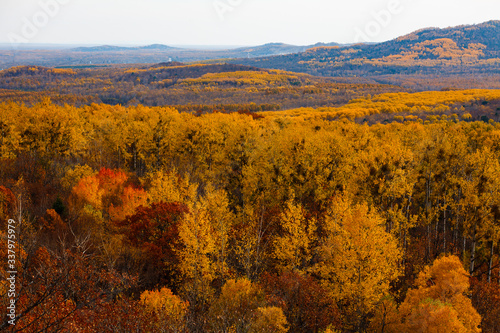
x,y
448,49
439,303
74,175
359,259
65,71
204,232
199,245
221,219
269,320
234,310
321,48
167,307
428,101
433,316
261,78
293,245
168,186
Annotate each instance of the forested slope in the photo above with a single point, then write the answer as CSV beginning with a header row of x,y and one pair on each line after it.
x,y
459,50
228,221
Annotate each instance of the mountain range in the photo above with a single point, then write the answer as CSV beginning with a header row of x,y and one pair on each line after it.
x,y
456,50
462,49
155,53
112,48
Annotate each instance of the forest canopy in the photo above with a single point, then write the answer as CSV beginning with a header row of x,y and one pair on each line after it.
x,y
146,217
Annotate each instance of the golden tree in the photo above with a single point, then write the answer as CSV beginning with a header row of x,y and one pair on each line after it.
x,y
359,260
439,302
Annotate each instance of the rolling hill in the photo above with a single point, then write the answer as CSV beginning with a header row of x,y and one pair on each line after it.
x,y
462,49
189,87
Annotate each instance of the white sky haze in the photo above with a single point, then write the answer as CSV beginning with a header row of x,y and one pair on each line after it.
x,y
230,22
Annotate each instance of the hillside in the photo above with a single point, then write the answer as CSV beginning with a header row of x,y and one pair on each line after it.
x,y
205,88
194,87
456,50
148,193
275,49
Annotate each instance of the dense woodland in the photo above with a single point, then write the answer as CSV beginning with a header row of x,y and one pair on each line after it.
x,y
196,87
144,218
228,198
202,88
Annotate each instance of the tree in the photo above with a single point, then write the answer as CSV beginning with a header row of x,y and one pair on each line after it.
x,y
358,260
307,305
486,300
108,194
7,204
131,198
154,231
168,308
54,287
269,319
292,247
235,308
168,186
113,316
439,302
195,257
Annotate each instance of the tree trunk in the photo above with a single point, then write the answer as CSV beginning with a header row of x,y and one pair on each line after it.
x,y
428,242
405,242
135,160
464,244
427,208
436,236
457,226
490,264
444,227
473,250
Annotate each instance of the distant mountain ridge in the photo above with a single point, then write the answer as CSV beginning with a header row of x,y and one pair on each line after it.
x,y
486,33
466,48
454,49
151,54
278,49
111,48
253,51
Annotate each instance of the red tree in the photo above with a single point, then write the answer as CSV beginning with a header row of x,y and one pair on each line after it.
x,y
305,303
155,232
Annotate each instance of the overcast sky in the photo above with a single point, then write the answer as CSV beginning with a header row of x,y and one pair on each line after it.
x,y
230,22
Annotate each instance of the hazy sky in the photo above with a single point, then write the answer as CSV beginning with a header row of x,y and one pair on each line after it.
x,y
230,22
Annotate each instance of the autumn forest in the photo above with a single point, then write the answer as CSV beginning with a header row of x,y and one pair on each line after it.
x,y
238,197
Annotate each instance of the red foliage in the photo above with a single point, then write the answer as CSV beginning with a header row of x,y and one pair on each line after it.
x,y
252,114
54,286
121,315
306,304
155,231
7,203
113,183
486,300
111,179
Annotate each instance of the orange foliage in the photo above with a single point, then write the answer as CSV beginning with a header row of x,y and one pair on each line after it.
x,y
107,190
